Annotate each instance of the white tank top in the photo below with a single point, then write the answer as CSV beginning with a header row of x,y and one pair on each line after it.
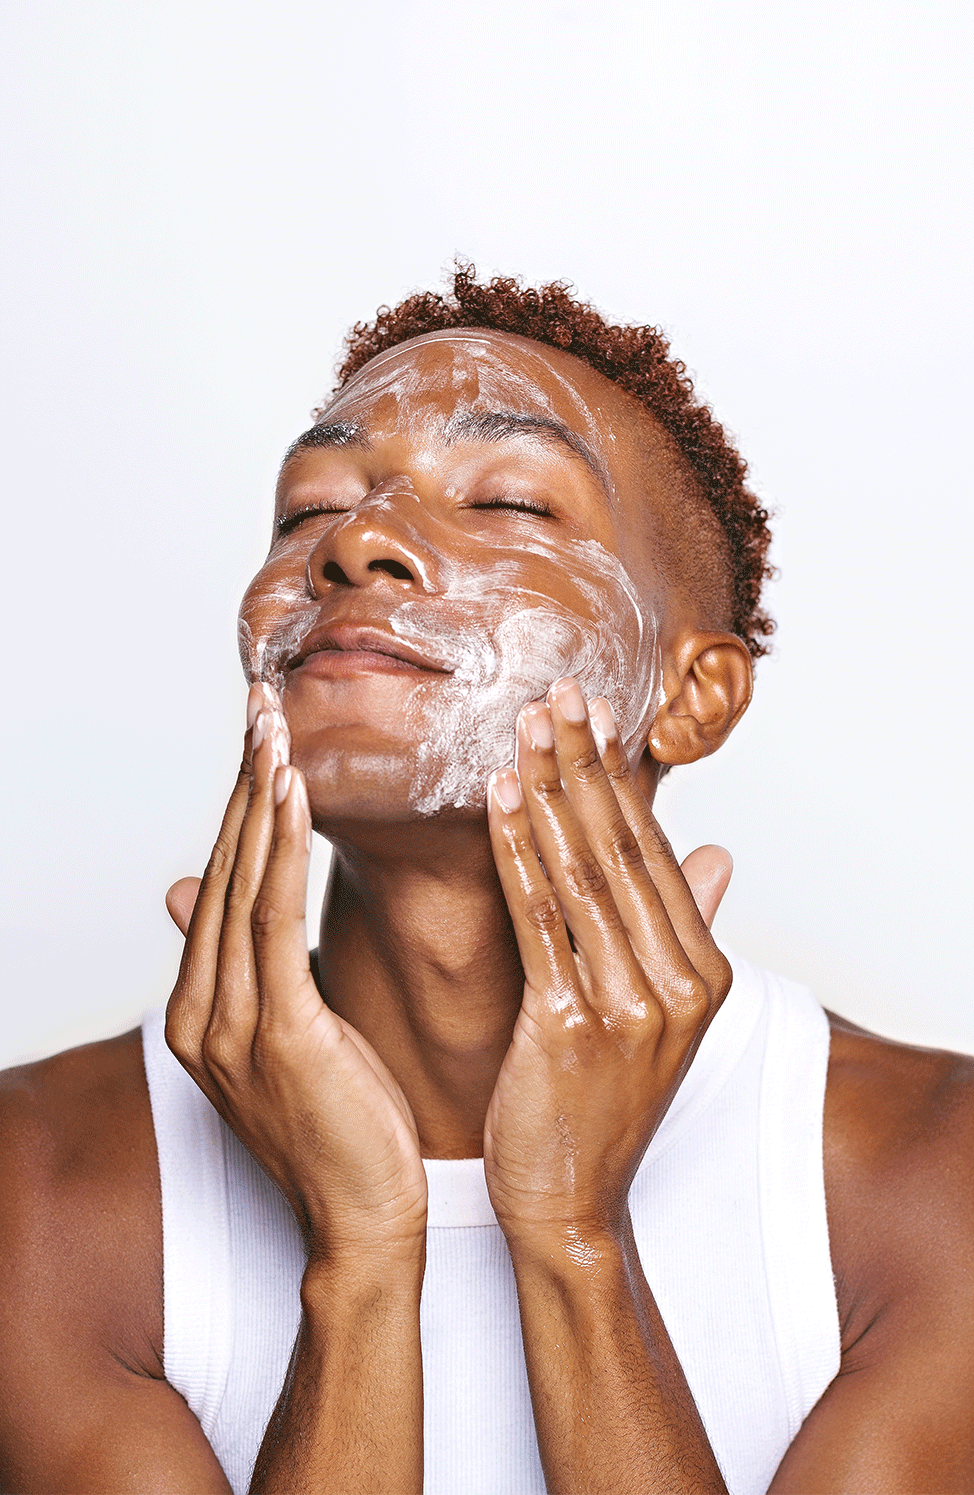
x,y
728,1209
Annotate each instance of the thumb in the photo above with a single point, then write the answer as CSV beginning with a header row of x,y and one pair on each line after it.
x,y
181,900
708,871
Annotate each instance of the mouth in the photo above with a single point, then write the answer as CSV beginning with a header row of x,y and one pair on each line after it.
x,y
335,650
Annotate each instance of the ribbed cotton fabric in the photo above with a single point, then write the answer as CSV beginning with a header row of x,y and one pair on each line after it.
x,y
728,1209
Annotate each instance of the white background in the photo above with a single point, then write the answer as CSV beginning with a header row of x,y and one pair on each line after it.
x,y
200,197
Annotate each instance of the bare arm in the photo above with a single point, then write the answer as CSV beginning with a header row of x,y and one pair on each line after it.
x,y
612,1406
611,1017
84,1406
351,1413
899,1157
600,1048
326,1119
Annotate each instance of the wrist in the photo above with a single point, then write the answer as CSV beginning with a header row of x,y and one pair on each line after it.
x,y
394,1266
571,1250
361,1286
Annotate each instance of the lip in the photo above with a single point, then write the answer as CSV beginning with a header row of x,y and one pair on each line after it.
x,y
347,649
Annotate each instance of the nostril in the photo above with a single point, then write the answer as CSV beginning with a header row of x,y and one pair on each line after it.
x,y
392,568
332,571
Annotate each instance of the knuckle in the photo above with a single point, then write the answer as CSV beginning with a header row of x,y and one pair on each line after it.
x,y
266,915
587,765
240,892
221,857
549,788
644,1024
658,838
543,912
691,1000
585,876
179,1038
617,766
623,845
220,1055
723,976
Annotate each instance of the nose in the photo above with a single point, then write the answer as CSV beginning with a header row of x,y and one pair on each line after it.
x,y
377,541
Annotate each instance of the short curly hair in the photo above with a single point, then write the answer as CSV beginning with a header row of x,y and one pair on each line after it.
x,y
721,558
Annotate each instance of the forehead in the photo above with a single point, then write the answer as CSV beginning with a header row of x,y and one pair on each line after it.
x,y
426,381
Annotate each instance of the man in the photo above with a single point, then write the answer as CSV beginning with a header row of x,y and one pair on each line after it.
x,y
514,578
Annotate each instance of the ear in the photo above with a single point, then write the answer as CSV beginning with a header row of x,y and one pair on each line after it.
x,y
707,686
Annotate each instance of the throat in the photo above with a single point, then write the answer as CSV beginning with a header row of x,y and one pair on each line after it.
x,y
424,964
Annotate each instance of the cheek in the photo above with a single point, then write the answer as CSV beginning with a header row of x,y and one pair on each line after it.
x,y
620,659
594,626
512,645
275,615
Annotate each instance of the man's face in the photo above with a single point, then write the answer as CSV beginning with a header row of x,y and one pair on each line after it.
x,y
450,546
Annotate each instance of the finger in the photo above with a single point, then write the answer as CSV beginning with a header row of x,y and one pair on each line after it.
x,y
657,853
708,872
609,968
190,1006
236,996
539,926
208,910
605,828
181,900
285,984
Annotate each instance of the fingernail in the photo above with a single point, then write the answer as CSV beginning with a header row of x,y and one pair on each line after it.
x,y
506,787
603,722
538,725
569,700
282,783
262,725
255,702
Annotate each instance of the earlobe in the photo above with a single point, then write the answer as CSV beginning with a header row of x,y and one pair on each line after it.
x,y
707,685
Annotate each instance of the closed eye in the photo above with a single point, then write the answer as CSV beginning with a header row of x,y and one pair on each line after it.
x,y
285,523
521,505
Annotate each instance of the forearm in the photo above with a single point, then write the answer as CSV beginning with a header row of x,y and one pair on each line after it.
x,y
350,1417
611,1403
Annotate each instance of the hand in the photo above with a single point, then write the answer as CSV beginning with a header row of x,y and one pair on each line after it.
x,y
622,976
301,1088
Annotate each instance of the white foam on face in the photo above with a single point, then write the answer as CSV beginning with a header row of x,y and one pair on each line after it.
x,y
500,644
512,647
489,371
265,655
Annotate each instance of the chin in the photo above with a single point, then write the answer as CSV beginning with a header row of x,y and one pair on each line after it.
x,y
382,788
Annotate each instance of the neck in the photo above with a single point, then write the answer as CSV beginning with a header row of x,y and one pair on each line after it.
x,y
418,954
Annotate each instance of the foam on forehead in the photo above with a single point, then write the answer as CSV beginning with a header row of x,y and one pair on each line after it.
x,y
483,372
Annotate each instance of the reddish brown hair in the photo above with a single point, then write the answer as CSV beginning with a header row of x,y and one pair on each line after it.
x,y
638,360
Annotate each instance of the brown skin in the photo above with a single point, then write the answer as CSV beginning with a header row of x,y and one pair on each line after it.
x,y
441,1060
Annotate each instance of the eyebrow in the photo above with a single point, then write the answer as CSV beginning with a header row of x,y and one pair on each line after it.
x,y
478,425
331,433
510,425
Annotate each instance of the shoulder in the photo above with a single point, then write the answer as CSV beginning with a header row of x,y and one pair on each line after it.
x,y
80,1232
899,1171
83,1401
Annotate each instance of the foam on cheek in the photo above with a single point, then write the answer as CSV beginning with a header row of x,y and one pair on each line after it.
x,y
514,647
264,653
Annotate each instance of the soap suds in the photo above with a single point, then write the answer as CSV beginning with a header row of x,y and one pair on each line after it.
x,y
515,645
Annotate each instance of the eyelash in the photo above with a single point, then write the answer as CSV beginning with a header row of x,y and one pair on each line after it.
x,y
521,505
285,523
